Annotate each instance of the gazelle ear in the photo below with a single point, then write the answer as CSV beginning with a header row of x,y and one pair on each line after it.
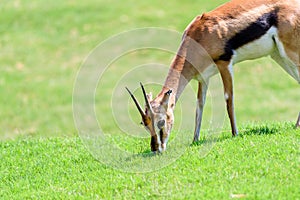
x,y
165,100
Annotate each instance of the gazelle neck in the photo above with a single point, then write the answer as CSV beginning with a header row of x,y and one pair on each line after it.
x,y
179,75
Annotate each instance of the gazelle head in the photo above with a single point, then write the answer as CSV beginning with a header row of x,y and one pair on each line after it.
x,y
157,119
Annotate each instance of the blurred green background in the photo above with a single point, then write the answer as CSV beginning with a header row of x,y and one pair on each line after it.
x,y
43,44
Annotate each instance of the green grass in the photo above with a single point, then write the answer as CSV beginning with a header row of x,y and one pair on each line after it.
x,y
262,163
43,45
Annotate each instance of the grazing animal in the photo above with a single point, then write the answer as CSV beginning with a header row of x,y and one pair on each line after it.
x,y
236,31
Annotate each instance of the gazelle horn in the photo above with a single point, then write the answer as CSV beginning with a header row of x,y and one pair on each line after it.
x,y
148,105
136,103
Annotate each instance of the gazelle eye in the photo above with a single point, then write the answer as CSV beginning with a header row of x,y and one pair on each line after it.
x,y
160,124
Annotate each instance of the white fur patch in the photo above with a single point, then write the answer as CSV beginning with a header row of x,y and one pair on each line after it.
x,y
226,96
259,48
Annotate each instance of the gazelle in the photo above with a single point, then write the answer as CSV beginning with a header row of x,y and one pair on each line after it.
x,y
236,31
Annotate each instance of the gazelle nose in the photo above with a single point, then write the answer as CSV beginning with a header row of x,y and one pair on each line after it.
x,y
159,150
163,146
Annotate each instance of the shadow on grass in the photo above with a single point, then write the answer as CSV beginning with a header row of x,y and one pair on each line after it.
x,y
261,130
266,129
209,140
148,154
145,154
202,141
249,130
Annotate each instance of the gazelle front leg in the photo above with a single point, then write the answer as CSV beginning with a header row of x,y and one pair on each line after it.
x,y
226,72
201,96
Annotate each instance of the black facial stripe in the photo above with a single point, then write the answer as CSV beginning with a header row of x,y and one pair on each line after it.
x,y
154,143
161,135
253,32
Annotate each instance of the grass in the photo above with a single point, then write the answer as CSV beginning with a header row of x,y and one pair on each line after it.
x,y
263,163
43,45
